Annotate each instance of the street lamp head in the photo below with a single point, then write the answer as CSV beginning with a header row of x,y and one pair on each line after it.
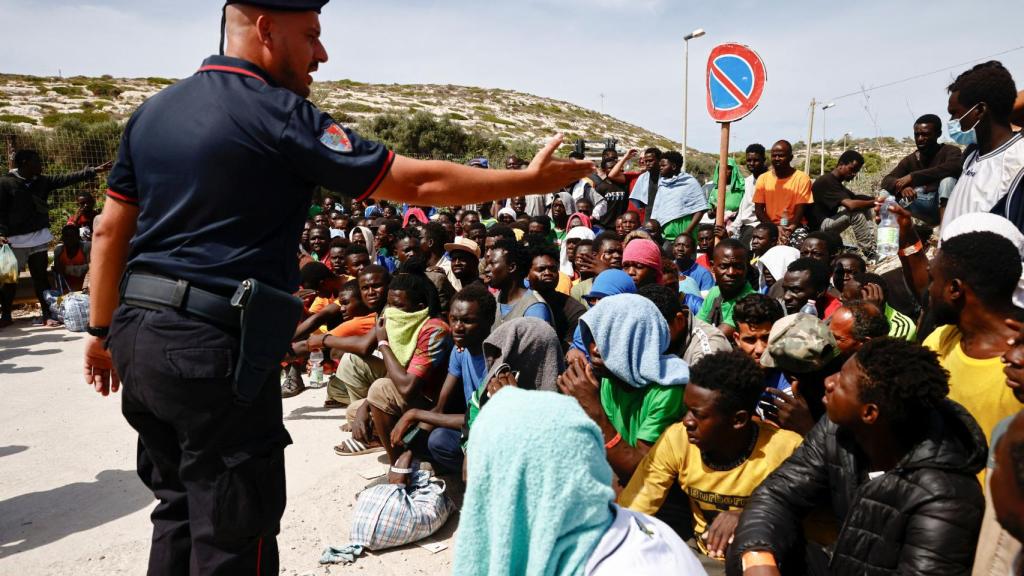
x,y
695,34
829,105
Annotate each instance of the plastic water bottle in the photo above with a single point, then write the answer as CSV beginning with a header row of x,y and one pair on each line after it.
x,y
316,372
784,219
888,242
810,308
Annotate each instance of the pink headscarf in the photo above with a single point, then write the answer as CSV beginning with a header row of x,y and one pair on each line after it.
x,y
583,218
644,252
417,213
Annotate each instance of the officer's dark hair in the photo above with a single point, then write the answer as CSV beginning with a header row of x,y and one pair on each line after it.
x,y
673,157
412,279
514,255
656,152
356,248
932,120
904,379
817,270
832,241
604,238
410,232
501,231
665,299
756,309
872,278
985,261
756,149
772,229
989,82
478,294
22,156
868,320
435,232
313,274
736,378
849,157
339,242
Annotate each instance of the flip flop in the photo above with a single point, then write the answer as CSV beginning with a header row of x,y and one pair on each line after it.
x,y
353,447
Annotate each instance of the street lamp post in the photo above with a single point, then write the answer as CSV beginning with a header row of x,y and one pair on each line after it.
x,y
686,82
824,134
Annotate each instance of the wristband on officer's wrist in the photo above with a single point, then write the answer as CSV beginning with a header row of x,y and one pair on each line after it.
x,y
98,331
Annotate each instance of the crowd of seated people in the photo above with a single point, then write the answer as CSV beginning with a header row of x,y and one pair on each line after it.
x,y
771,400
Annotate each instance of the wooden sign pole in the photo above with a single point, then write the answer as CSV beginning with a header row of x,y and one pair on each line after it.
x,y
723,160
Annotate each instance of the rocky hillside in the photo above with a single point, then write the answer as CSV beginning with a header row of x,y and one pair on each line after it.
x,y
506,114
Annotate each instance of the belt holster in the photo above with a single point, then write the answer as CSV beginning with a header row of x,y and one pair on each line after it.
x,y
269,318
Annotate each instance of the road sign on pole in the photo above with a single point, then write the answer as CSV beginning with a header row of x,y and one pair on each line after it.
x,y
735,82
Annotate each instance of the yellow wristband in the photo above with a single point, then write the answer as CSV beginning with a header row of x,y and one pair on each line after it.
x,y
756,558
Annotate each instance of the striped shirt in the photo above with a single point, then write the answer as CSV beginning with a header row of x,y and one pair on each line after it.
x,y
900,325
986,179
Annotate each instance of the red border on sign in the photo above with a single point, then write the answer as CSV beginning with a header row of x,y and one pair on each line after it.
x,y
760,77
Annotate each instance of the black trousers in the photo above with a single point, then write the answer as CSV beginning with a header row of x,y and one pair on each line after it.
x,y
37,264
217,469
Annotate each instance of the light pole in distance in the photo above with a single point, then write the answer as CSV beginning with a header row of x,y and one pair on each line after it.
x,y
686,82
824,133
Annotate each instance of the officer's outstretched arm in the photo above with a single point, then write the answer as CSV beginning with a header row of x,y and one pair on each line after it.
x,y
437,183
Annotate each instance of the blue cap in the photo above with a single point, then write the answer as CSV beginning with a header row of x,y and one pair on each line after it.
x,y
290,5
610,283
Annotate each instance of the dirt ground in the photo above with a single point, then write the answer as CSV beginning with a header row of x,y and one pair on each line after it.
x,y
71,503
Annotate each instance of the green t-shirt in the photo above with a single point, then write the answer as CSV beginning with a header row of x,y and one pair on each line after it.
x,y
727,305
900,325
641,413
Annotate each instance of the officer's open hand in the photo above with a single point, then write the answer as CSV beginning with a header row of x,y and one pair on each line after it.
x,y
99,367
550,173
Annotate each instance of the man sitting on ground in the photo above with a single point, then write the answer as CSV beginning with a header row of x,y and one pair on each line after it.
x,y
718,455
465,262
641,259
856,323
692,338
782,195
633,386
807,280
933,167
543,278
506,267
730,270
873,288
470,319
764,237
895,460
836,208
356,258
684,251
607,255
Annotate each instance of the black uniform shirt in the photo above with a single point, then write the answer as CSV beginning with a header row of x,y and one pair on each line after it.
x,y
223,165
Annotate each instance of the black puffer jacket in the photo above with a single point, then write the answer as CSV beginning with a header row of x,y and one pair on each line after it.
x,y
921,517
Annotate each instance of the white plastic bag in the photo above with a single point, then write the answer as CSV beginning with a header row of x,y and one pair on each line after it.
x,y
8,265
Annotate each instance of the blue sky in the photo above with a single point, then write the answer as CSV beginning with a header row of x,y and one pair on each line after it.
x,y
574,50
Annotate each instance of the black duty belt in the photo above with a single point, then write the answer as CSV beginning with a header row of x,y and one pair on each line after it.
x,y
159,292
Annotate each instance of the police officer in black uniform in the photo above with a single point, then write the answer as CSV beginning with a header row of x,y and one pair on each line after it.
x,y
194,262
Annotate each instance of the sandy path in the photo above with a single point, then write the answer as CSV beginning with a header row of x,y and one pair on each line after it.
x,y
70,502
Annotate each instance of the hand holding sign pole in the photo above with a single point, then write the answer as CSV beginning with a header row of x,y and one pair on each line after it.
x,y
735,81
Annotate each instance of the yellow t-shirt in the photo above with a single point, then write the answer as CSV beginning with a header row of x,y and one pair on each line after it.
x,y
783,194
979,385
673,459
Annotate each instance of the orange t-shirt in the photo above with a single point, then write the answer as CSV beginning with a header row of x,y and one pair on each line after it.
x,y
355,327
783,194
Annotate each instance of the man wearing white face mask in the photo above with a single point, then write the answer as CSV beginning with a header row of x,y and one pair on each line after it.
x,y
980,103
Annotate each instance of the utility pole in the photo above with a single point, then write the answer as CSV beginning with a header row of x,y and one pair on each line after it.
x,y
824,134
686,82
810,136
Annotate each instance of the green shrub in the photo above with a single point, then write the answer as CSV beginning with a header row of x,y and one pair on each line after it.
x,y
105,89
496,120
160,81
455,116
17,119
68,90
57,119
357,107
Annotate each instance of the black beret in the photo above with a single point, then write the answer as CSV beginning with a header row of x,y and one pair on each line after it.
x,y
290,5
